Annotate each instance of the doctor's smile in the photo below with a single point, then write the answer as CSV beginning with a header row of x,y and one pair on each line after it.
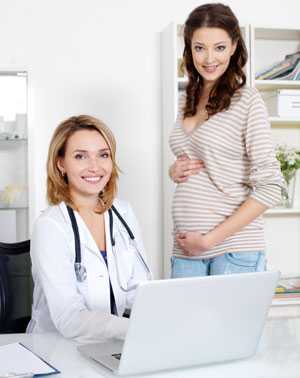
x,y
93,179
87,163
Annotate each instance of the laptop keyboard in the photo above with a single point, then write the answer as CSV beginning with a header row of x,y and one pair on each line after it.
x,y
117,356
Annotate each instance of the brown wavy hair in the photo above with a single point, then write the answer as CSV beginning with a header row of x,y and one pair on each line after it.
x,y
215,16
57,184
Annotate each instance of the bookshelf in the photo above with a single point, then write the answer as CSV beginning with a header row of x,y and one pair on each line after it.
x,y
287,302
288,291
15,151
268,46
265,46
171,50
181,82
283,211
14,207
285,122
271,85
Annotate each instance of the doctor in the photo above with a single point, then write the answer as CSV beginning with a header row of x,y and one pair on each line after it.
x,y
86,249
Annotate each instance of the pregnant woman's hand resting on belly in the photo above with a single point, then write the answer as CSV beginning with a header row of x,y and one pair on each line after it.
x,y
184,167
193,243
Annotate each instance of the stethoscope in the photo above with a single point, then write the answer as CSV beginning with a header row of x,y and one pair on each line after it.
x,y
80,269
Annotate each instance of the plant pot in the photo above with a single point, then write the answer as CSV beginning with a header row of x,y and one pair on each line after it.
x,y
289,196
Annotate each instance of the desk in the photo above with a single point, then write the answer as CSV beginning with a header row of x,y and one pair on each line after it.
x,y
278,356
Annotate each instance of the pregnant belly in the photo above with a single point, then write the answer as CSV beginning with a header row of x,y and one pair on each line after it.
x,y
196,205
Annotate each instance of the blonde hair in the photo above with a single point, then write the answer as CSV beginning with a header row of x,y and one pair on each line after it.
x,y
57,184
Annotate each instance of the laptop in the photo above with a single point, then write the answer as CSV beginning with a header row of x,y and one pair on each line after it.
x,y
180,323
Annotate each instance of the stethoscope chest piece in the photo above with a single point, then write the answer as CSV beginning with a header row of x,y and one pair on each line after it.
x,y
80,271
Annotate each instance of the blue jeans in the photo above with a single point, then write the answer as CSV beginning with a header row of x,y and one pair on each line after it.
x,y
229,263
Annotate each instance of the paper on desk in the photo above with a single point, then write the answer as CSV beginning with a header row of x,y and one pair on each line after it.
x,y
16,358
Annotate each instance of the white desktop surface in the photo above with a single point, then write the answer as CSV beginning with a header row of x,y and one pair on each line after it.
x,y
278,356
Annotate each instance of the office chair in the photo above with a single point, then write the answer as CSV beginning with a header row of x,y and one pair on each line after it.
x,y
15,286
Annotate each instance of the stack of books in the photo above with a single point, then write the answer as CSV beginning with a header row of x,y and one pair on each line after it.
x,y
287,69
287,291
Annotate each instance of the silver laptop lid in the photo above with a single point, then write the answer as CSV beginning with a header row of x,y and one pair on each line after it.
x,y
192,321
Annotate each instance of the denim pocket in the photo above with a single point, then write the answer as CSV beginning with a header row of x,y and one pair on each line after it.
x,y
183,267
244,259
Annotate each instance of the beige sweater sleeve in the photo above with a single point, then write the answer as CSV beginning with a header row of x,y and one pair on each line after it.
x,y
265,176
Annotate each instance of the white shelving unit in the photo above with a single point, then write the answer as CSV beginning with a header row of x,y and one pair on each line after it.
x,y
271,85
283,211
13,156
171,50
287,302
14,183
265,47
284,122
270,45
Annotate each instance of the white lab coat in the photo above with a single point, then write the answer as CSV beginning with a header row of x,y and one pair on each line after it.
x,y
81,310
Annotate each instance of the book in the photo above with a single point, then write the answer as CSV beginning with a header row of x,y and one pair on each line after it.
x,y
282,68
287,301
280,310
287,291
293,75
288,285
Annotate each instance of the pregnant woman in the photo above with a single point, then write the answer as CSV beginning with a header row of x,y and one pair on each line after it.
x,y
226,172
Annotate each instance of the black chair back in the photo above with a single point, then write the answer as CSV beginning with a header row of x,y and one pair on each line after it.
x,y
15,286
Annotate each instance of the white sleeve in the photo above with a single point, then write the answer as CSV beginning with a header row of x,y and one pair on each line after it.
x,y
53,265
139,272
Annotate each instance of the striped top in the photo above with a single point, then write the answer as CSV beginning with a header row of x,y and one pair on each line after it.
x,y
237,150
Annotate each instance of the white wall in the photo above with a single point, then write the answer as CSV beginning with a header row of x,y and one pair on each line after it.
x,y
103,58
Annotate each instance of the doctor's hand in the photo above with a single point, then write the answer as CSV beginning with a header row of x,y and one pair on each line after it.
x,y
193,243
184,167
